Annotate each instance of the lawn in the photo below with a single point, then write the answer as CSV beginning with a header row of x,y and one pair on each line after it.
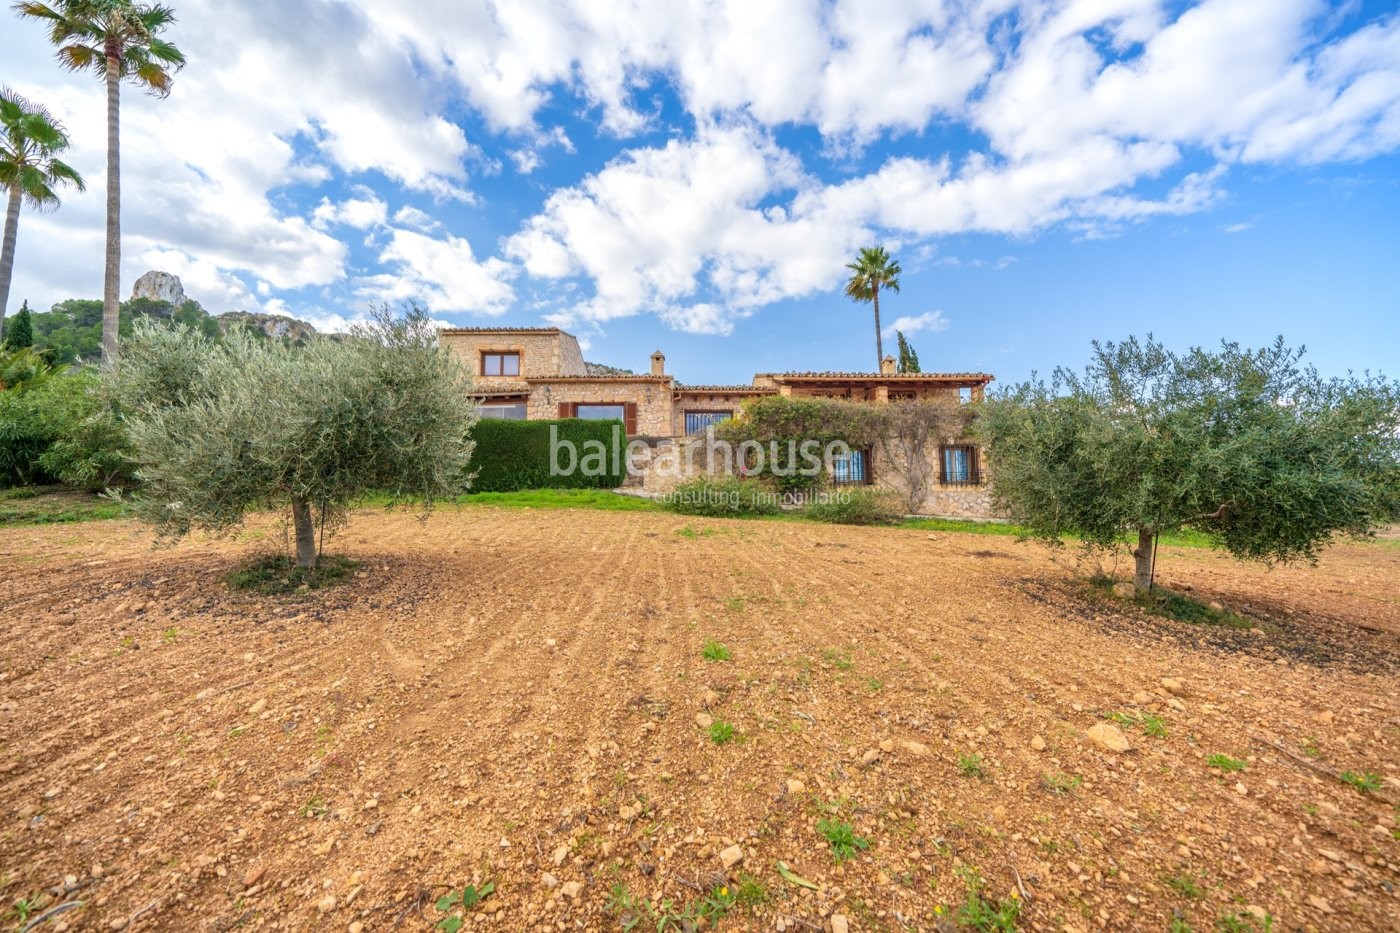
x,y
58,504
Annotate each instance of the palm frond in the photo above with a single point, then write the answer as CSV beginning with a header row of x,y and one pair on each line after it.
x,y
166,53
155,17
78,57
67,174
13,105
153,78
34,186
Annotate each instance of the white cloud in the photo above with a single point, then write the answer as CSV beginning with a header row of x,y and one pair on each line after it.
x,y
410,216
530,157
744,225
443,274
201,169
711,234
929,322
360,213
1095,114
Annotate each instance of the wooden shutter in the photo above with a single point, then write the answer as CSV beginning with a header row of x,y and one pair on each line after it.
x,y
568,409
629,418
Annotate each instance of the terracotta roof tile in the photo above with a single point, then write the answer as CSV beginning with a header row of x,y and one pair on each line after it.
x,y
910,377
499,330
602,379
501,388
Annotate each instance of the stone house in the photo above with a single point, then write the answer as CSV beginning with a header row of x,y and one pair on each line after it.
x,y
539,373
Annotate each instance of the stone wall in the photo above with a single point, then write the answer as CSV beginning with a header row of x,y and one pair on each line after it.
x,y
652,398
542,354
570,360
673,462
958,502
707,401
970,502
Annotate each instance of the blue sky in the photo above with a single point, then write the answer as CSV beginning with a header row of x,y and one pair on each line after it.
x,y
692,176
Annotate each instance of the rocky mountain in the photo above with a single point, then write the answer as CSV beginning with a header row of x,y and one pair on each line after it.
x,y
272,326
602,369
164,287
160,286
71,331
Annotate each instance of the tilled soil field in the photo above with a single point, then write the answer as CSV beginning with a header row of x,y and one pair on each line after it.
x,y
522,697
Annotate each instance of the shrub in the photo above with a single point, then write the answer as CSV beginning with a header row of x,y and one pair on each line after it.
x,y
784,425
722,496
855,507
33,419
93,451
514,455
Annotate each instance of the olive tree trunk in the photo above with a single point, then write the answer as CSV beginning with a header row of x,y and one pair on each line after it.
x,y
7,251
1143,555
306,534
111,282
879,343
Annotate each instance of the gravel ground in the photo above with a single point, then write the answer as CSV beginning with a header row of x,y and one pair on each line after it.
x,y
521,697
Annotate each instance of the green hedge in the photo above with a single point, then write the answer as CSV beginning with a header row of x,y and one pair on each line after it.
x,y
513,455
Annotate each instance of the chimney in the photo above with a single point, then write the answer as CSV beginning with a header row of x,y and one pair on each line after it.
x,y
658,363
887,366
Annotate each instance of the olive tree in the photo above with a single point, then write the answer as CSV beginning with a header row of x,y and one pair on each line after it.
x,y
1249,447
218,429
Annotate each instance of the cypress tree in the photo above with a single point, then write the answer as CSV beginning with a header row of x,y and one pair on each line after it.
x,y
19,332
908,359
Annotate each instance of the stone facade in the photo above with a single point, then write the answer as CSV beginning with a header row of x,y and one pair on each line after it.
x,y
651,396
939,499
553,380
544,351
952,502
711,399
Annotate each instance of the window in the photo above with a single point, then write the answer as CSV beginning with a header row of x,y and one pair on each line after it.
x,y
850,470
626,412
697,421
511,411
600,412
500,364
960,467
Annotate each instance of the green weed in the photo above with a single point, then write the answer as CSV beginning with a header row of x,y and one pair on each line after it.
x,y
983,914
842,838
838,659
1061,783
970,765
1368,782
466,899
1225,763
278,575
716,651
721,732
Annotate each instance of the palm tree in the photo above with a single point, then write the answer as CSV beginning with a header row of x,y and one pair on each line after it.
x,y
118,39
872,271
30,138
